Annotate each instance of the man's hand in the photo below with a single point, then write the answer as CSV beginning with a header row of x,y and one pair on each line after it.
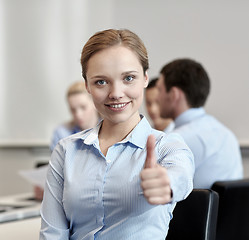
x,y
154,178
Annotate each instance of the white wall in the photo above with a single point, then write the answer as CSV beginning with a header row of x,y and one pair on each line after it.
x,y
41,41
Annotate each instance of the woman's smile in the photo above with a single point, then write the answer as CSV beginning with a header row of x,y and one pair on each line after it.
x,y
117,106
116,82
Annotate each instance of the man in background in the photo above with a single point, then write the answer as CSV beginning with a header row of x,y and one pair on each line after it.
x,y
183,87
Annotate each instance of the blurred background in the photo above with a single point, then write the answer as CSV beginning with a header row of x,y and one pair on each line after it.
x,y
41,43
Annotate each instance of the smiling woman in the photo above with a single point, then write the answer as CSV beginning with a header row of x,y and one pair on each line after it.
x,y
121,170
121,91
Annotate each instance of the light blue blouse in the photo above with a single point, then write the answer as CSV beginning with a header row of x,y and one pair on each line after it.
x,y
170,127
216,150
90,196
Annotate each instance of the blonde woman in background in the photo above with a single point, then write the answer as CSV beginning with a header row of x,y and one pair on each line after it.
x,y
84,116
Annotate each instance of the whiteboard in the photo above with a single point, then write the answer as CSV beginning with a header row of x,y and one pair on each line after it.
x,y
41,42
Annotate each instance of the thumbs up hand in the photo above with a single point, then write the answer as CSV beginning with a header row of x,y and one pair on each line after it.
x,y
154,178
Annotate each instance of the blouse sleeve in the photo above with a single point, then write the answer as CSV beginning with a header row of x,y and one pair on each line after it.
x,y
54,224
176,156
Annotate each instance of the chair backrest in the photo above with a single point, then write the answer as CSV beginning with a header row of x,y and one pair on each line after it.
x,y
233,212
195,217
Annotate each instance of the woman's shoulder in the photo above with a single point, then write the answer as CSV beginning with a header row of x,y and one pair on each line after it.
x,y
168,138
76,137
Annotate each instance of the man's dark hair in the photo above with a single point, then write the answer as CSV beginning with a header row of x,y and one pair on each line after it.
x,y
190,77
152,83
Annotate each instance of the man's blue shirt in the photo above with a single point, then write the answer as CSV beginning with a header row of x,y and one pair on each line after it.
x,y
216,150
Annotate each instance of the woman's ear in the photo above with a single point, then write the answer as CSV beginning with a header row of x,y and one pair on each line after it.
x,y
87,88
146,78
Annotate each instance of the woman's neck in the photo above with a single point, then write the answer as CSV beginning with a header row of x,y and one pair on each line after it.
x,y
111,133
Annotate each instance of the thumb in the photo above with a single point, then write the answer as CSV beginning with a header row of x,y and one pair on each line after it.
x,y
150,161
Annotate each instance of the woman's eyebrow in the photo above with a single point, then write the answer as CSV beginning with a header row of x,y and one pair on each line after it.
x,y
98,77
129,72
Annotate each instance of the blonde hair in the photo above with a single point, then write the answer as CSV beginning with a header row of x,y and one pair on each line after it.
x,y
111,37
75,88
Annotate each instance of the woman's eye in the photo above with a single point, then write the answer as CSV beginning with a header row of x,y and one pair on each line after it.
x,y
129,78
101,82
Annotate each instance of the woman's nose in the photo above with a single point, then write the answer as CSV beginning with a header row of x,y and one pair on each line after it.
x,y
116,92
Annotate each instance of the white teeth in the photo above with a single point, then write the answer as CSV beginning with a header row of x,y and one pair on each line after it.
x,y
118,105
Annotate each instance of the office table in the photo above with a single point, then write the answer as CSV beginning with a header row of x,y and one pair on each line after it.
x,y
19,217
27,229
19,206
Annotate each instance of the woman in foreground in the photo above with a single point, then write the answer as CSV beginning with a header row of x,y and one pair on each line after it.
x,y
121,179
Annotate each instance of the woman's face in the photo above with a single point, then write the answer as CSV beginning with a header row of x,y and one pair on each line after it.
x,y
116,81
152,105
83,110
165,100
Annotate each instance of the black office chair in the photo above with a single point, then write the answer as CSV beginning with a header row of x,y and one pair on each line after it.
x,y
195,217
233,212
